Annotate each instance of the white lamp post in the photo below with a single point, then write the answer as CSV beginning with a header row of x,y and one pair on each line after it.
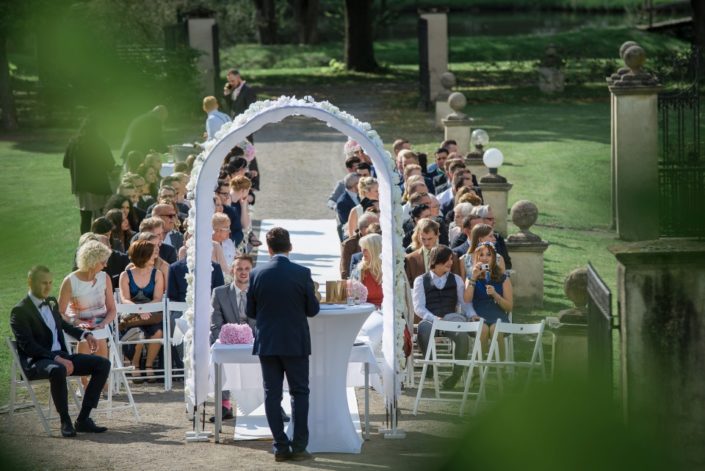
x,y
493,159
495,188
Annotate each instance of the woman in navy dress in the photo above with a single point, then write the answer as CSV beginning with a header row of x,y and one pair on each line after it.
x,y
141,284
489,289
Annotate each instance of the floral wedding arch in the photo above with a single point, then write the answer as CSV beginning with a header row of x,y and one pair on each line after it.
x,y
204,178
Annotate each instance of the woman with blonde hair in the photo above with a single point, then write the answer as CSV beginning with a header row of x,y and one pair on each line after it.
x,y
367,188
86,296
369,273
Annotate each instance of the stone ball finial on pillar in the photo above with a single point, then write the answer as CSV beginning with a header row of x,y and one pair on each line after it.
x,y
633,75
622,70
448,80
457,103
526,250
575,287
524,214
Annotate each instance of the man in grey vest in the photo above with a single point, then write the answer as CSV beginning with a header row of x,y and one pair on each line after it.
x,y
438,294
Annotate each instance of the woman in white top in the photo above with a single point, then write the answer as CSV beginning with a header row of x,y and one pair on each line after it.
x,y
223,247
86,296
368,188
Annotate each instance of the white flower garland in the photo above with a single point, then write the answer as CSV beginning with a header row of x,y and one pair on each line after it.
x,y
285,101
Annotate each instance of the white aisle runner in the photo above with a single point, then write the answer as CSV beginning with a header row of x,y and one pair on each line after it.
x,y
315,245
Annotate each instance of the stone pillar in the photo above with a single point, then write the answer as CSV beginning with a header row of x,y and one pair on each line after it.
x,y
613,170
201,38
437,37
635,134
526,250
495,191
443,109
457,124
661,292
571,335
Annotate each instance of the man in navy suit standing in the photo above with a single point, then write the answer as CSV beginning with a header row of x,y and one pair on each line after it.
x,y
281,296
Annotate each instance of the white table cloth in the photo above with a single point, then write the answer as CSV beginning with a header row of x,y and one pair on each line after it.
x,y
333,332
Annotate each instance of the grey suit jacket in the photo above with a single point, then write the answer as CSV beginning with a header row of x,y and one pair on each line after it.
x,y
225,310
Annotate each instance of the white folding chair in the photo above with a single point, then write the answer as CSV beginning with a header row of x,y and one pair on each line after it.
x,y
124,309
434,359
18,377
176,336
494,360
116,380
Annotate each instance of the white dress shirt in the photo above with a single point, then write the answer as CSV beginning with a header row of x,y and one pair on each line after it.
x,y
48,319
419,295
241,300
445,196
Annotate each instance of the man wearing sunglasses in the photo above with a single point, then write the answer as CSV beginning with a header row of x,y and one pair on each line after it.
x,y
167,214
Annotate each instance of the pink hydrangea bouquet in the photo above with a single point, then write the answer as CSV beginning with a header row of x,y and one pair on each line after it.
x,y
232,334
249,150
358,291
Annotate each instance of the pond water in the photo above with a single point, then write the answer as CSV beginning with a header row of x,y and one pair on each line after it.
x,y
468,23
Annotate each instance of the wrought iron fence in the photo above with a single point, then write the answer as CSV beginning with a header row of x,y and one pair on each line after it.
x,y
682,152
599,318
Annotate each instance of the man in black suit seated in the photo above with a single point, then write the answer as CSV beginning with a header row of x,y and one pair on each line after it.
x,y
280,297
38,329
155,226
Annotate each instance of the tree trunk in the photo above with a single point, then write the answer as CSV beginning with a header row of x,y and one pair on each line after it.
x,y
359,43
7,101
266,21
306,15
698,7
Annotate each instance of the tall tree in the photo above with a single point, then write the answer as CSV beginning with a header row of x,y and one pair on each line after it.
x,y
306,16
698,7
359,36
266,21
9,16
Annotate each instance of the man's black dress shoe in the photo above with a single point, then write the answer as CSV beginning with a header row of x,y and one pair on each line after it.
x,y
301,456
450,382
88,426
280,456
67,429
227,415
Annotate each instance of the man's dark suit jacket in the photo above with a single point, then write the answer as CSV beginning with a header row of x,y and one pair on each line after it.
x,y
349,246
177,284
34,339
245,98
343,206
280,297
168,253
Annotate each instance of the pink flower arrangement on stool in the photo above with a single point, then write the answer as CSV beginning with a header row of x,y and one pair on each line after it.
x,y
231,334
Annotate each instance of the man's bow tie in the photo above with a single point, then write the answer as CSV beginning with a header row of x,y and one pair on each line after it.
x,y
43,303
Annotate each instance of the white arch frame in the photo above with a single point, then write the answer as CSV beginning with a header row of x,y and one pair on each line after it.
x,y
205,175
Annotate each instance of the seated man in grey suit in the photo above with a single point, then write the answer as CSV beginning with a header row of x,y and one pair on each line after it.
x,y
229,307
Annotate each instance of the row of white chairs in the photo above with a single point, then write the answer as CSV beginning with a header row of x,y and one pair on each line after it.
x,y
504,334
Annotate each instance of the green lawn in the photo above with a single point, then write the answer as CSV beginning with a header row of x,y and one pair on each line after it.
x,y
576,45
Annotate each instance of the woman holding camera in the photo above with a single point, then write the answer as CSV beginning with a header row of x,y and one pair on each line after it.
x,y
489,289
